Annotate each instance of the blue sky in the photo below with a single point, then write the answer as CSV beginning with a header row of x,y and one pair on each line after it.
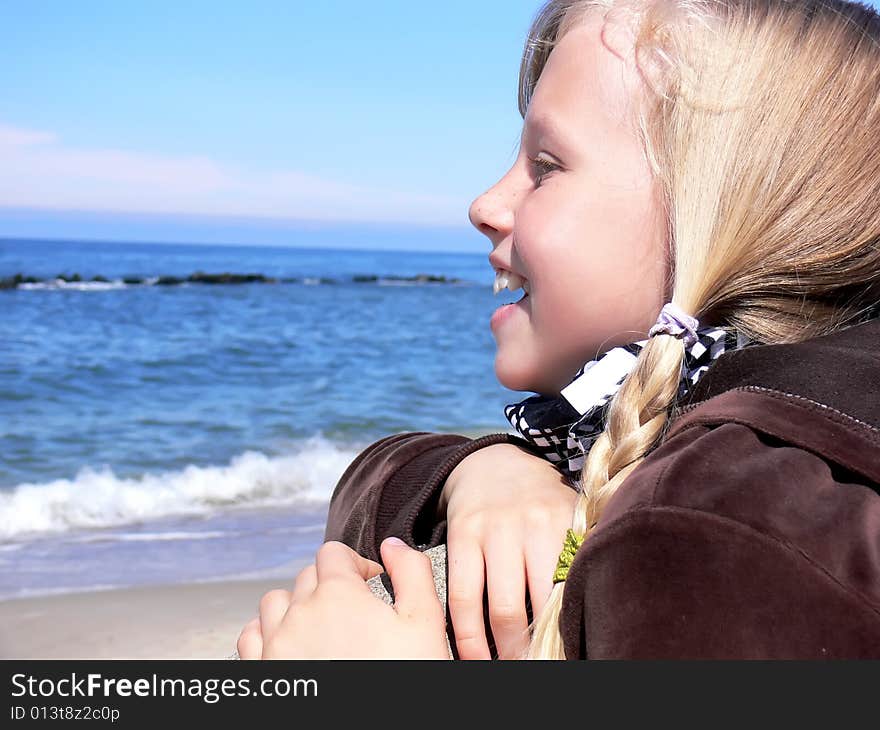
x,y
204,113
227,121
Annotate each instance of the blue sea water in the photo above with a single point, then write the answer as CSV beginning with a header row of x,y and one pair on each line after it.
x,y
153,434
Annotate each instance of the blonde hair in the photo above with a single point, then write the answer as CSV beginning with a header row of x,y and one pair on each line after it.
x,y
760,120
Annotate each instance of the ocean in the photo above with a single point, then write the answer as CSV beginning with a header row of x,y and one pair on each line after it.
x,y
171,430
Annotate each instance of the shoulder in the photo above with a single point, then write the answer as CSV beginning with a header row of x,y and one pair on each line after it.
x,y
727,541
780,468
786,448
840,370
753,529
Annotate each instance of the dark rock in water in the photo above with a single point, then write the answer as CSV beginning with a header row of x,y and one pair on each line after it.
x,y
226,278
418,279
12,282
431,278
200,277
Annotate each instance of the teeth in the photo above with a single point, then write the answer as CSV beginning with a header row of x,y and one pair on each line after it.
x,y
508,280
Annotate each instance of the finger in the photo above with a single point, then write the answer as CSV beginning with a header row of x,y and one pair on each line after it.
x,y
337,560
540,563
250,641
464,594
305,584
506,584
273,608
411,578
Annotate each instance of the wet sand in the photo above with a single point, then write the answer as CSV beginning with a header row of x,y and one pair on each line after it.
x,y
196,620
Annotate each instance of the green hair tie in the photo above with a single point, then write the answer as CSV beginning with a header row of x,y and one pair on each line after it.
x,y
566,557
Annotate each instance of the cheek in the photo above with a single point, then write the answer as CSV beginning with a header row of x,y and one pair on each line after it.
x,y
617,249
596,259
599,286
550,244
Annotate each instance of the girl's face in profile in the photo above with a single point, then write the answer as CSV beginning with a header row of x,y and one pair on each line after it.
x,y
578,217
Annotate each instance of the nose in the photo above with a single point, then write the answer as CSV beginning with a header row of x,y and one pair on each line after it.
x,y
492,213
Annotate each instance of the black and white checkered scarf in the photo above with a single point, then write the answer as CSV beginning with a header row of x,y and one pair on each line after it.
x,y
564,428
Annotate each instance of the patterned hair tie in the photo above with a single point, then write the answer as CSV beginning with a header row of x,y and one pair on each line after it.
x,y
570,546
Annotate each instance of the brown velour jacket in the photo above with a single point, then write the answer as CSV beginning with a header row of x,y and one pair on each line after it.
x,y
751,531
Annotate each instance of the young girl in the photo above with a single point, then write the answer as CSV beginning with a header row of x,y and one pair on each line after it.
x,y
695,214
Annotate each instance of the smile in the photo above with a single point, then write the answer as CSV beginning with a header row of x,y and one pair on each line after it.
x,y
508,280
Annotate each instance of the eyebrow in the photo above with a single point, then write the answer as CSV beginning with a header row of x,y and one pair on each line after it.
x,y
544,124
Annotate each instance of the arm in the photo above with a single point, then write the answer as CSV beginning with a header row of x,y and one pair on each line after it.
x,y
393,487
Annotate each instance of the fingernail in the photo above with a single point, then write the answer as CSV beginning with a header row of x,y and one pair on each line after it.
x,y
395,541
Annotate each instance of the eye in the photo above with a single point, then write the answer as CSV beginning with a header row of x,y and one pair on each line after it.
x,y
541,168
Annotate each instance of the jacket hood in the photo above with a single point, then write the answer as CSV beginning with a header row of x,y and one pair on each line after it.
x,y
840,370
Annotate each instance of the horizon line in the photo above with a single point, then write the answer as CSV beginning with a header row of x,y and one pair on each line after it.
x,y
230,218
116,241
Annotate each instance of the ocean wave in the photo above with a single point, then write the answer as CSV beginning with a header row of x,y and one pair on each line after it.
x,y
44,592
151,536
97,498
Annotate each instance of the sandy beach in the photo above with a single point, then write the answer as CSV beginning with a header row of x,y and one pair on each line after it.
x,y
197,621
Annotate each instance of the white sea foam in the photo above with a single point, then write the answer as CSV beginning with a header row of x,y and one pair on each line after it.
x,y
42,591
417,282
76,285
99,498
399,282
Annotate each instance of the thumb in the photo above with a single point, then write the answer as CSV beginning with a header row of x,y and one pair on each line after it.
x,y
336,560
411,577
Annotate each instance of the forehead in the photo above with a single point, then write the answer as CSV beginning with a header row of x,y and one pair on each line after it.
x,y
583,89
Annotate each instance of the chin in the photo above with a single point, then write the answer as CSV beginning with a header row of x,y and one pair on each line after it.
x,y
517,376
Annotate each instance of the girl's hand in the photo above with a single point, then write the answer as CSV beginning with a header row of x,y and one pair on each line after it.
x,y
331,612
507,512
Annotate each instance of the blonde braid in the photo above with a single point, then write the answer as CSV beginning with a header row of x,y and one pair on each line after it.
x,y
637,419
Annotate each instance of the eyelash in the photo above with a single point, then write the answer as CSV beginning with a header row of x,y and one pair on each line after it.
x,y
544,166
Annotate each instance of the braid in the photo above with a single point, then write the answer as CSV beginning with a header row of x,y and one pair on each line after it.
x,y
637,419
